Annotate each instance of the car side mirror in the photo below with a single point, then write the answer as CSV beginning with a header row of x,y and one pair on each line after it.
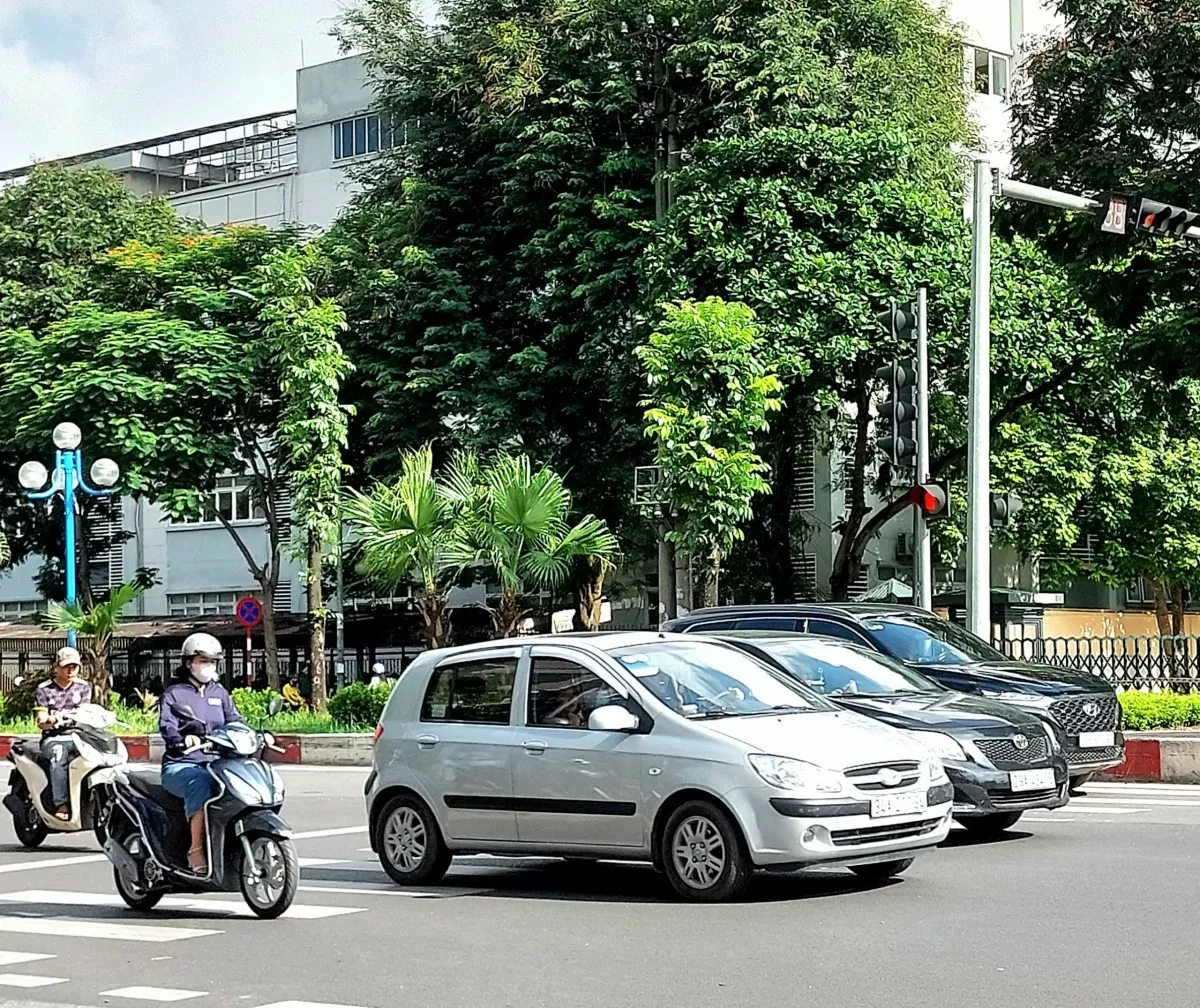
x,y
613,718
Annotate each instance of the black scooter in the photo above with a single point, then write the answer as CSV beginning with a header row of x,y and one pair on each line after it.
x,y
249,844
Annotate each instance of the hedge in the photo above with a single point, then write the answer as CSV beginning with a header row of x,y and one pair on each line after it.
x,y
1144,711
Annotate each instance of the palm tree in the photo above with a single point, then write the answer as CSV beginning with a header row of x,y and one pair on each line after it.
x,y
406,532
514,520
96,626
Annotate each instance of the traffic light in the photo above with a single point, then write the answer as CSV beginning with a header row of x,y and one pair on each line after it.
x,y
1161,218
898,413
932,498
899,321
1004,508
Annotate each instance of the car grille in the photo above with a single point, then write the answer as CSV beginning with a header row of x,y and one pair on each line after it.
x,y
878,834
1004,750
1013,799
866,778
1104,754
1070,713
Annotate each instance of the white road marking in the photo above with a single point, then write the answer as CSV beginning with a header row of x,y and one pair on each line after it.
x,y
51,863
1139,786
13,958
306,1004
1030,818
318,862
375,891
341,831
1106,810
301,768
26,980
153,993
238,908
100,929
1135,801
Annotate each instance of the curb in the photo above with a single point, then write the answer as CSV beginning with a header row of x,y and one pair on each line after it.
x,y
1159,758
309,750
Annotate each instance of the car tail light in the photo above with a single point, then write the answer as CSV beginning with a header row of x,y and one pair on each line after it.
x,y
378,732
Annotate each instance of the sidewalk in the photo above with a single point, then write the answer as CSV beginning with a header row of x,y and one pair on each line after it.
x,y
1167,757
314,750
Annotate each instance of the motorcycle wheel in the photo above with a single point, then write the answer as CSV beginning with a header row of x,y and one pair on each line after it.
x,y
136,897
269,881
32,831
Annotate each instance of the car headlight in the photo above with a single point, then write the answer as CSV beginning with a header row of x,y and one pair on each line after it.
x,y
1012,695
941,745
796,775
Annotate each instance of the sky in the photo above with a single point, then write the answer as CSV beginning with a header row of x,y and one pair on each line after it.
x,y
79,75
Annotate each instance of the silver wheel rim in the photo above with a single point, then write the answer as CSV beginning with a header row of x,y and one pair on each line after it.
x,y
698,852
267,860
404,839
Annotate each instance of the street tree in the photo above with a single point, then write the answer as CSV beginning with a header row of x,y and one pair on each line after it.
x,y
710,391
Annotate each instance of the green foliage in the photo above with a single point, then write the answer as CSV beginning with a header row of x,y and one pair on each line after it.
x,y
1147,711
252,703
358,705
100,621
710,393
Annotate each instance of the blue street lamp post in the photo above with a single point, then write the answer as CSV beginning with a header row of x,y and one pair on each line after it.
x,y
67,478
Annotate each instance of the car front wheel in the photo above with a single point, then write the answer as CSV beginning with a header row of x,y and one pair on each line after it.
x,y
703,854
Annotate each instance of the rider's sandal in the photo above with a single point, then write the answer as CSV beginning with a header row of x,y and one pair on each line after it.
x,y
63,815
198,861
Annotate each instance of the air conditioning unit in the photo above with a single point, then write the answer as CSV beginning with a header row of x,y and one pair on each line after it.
x,y
904,546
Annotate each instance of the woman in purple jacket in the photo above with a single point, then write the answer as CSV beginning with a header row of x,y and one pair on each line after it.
x,y
184,771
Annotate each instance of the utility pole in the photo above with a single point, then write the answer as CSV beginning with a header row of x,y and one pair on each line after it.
x,y
340,615
922,550
979,408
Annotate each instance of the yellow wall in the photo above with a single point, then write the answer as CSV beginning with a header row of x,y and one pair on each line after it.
x,y
1102,623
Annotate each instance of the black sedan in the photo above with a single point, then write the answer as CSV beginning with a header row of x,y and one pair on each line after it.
x,y
1001,760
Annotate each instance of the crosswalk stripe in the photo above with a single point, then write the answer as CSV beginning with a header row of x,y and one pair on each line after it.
x,y
51,863
1105,810
15,958
340,831
100,929
368,890
306,1004
1143,788
1131,800
27,980
320,862
56,897
153,993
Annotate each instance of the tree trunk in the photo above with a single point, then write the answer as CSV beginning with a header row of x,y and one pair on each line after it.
x,y
848,561
710,577
316,621
96,653
433,614
1162,614
506,615
589,593
1177,610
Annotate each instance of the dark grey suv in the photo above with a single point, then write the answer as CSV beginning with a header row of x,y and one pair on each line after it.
x,y
1081,706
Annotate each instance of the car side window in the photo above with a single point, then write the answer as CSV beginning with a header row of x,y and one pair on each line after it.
x,y
478,692
563,694
711,626
767,623
831,629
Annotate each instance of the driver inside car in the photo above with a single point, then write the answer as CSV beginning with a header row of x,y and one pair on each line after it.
x,y
62,693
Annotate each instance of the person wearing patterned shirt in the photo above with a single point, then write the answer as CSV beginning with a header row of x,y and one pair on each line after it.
x,y
62,693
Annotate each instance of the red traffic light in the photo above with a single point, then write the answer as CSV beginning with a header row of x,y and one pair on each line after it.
x,y
932,498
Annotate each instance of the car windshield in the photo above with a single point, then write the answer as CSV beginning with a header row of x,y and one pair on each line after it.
x,y
927,640
836,669
703,679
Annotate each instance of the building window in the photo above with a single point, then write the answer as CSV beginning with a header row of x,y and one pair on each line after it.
x,y
362,135
202,604
232,499
991,72
15,610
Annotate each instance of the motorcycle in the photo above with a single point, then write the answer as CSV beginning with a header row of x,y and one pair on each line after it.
x,y
91,774
249,845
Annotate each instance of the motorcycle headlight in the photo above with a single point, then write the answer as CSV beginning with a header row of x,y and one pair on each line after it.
x,y
941,745
796,775
1012,695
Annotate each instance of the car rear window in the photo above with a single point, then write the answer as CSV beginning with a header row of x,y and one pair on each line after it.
x,y
479,692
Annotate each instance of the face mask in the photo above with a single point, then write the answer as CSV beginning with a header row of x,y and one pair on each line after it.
x,y
205,673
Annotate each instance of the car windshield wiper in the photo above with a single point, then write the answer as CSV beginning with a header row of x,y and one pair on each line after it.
x,y
777,709
705,715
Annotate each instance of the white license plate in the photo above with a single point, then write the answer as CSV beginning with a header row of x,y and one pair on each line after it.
x,y
1031,780
898,804
1097,739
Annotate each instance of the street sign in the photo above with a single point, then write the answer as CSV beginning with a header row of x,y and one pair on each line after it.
x,y
249,612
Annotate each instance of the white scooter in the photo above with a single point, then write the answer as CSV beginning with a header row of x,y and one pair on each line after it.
x,y
91,773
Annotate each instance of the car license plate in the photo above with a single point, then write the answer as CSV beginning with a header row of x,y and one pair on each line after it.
x,y
898,804
1031,780
1097,739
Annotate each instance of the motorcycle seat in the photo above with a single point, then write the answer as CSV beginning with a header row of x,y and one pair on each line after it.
x,y
149,784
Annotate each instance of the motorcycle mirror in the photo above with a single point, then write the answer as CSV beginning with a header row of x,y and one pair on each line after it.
x,y
275,706
185,711
20,679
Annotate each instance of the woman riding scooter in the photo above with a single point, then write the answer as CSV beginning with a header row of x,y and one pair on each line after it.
x,y
183,772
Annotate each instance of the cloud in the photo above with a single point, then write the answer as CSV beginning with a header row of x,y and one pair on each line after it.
x,y
78,75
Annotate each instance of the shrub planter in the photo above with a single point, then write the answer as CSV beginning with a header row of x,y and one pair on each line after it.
x,y
1167,757
351,749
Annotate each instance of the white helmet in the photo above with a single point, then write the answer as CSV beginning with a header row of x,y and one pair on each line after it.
x,y
379,668
203,644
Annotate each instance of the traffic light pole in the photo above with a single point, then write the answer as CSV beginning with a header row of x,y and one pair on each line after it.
x,y
979,409
922,550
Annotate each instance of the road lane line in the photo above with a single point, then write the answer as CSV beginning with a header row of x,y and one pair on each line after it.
x,y
1135,801
306,1004
27,980
320,862
153,993
340,831
238,908
99,929
13,958
52,863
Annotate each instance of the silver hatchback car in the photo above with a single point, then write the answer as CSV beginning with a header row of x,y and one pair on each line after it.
x,y
681,751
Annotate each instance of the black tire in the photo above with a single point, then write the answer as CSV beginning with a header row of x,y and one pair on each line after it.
x,y
30,829
1077,782
989,825
410,844
269,903
697,836
136,898
882,869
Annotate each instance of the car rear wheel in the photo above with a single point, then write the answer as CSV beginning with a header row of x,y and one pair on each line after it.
x,y
881,870
989,825
411,848
703,854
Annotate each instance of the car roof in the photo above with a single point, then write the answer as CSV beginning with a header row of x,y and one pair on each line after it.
x,y
603,640
854,610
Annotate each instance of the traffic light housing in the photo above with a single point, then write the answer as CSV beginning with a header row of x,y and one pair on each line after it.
x,y
899,320
933,499
898,413
1004,508
1162,218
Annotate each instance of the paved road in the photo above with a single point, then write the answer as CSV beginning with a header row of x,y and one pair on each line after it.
x,y
1095,905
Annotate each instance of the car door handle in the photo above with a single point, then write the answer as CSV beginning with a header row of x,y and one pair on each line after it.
x,y
427,741
534,748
